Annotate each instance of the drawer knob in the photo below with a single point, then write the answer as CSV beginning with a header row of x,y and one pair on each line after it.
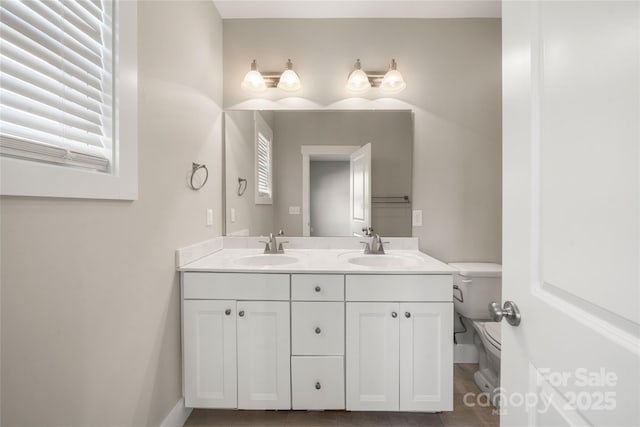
x,y
318,386
227,311
407,314
318,289
318,330
241,313
394,314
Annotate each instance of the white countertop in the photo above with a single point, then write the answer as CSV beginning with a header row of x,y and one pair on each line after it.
x,y
406,261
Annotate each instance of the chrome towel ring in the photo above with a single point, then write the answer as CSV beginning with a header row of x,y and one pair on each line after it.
x,y
197,181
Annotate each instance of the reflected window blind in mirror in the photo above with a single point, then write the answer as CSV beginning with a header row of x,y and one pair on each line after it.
x,y
264,161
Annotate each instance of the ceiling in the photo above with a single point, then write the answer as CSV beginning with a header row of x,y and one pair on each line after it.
x,y
247,9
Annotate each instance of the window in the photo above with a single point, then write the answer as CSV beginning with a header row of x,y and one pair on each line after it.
x,y
264,161
63,96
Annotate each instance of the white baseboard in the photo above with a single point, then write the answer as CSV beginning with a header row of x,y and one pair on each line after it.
x,y
178,415
465,353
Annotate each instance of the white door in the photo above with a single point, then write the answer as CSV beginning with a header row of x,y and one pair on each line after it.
x,y
210,354
571,96
372,337
360,189
263,355
426,355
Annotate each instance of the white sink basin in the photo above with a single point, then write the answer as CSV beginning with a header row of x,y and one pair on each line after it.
x,y
389,261
265,260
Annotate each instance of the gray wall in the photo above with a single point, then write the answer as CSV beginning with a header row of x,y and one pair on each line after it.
x,y
256,220
329,198
389,132
453,73
90,295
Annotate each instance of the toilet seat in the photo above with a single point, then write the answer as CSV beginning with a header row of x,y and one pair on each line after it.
x,y
490,333
492,330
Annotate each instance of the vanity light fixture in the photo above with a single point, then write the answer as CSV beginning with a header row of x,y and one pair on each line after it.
x,y
358,82
255,81
389,82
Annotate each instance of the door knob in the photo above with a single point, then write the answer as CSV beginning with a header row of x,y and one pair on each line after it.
x,y
318,330
227,311
394,314
510,312
241,313
318,289
318,386
407,314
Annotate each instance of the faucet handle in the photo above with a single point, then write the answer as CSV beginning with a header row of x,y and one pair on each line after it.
x,y
281,232
280,248
367,247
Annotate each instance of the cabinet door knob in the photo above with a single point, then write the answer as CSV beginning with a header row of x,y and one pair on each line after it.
x,y
394,314
318,289
407,314
318,386
241,313
318,330
227,311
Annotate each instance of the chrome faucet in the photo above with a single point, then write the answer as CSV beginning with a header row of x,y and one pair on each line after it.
x,y
272,246
375,246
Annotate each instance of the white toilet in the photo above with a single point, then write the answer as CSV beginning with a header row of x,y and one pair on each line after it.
x,y
474,287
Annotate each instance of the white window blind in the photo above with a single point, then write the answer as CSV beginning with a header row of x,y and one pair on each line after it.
x,y
263,161
264,166
56,82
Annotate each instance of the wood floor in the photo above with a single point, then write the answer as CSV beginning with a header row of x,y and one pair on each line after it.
x,y
462,416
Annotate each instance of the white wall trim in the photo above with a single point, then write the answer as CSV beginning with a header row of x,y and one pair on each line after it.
x,y
178,415
324,152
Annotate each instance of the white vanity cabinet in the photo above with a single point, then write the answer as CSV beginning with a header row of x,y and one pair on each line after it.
x,y
318,341
236,340
399,351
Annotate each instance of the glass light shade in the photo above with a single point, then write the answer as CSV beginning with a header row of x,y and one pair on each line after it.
x,y
392,82
358,82
289,81
254,82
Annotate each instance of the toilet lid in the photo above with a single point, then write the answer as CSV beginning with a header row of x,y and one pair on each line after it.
x,y
493,333
477,269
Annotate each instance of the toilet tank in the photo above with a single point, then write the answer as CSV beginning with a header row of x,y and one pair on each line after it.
x,y
476,284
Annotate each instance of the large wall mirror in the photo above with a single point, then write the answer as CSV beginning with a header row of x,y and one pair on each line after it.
x,y
318,173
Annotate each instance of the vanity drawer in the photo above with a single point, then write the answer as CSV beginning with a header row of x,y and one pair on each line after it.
x,y
317,328
317,382
236,286
399,287
317,287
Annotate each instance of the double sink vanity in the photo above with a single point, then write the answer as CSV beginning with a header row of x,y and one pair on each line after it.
x,y
321,326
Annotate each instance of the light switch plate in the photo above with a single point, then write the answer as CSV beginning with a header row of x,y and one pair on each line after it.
x,y
294,210
416,218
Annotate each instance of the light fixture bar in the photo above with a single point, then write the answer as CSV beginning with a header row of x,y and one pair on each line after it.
x,y
375,77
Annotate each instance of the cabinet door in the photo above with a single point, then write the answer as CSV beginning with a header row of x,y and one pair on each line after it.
x,y
209,354
426,357
372,356
263,355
